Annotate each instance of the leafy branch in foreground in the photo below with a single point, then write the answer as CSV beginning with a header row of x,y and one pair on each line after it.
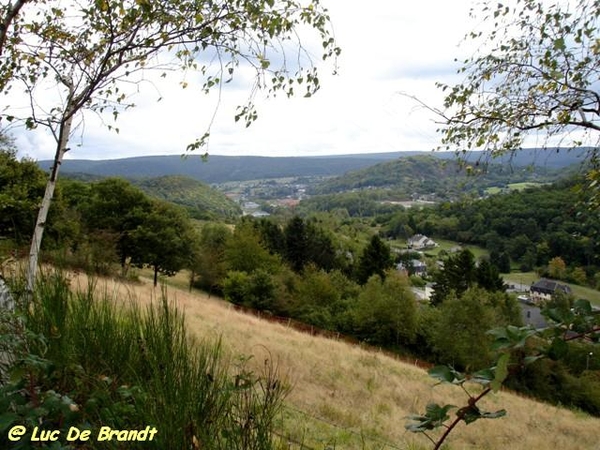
x,y
437,416
516,347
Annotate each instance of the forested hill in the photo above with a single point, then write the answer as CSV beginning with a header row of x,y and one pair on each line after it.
x,y
425,174
216,169
202,201
219,169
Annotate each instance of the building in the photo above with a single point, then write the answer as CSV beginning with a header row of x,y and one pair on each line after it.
x,y
414,267
544,289
419,242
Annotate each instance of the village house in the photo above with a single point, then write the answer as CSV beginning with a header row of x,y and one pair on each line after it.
x,y
544,289
414,267
420,242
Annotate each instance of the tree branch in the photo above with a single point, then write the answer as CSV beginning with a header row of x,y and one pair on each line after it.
x,y
13,11
460,415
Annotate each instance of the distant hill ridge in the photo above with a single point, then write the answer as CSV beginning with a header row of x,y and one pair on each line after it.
x,y
425,174
220,169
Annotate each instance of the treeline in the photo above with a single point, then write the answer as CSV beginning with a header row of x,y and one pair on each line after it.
x,y
299,270
92,226
523,230
367,203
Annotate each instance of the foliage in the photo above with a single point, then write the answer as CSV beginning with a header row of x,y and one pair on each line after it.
x,y
21,188
529,227
459,337
296,243
271,236
208,259
50,43
535,73
557,268
118,207
200,200
305,242
84,363
362,191
162,239
375,259
315,298
517,348
460,272
254,290
244,252
85,57
385,312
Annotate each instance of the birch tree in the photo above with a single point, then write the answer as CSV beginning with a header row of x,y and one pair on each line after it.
x,y
83,51
533,80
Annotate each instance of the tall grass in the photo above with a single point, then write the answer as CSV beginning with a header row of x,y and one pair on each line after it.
x,y
132,367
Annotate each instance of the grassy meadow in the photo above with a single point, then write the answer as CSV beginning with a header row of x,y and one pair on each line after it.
x,y
345,397
513,187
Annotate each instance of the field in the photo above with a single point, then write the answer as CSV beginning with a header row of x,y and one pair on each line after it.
x,y
346,397
513,187
448,245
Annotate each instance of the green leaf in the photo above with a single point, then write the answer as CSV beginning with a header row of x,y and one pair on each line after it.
x,y
501,372
494,415
559,44
472,413
434,417
557,315
483,377
582,306
511,336
6,420
446,374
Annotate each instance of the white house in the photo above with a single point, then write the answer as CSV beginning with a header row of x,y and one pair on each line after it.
x,y
419,242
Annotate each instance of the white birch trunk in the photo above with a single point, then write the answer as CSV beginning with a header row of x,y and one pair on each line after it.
x,y
38,232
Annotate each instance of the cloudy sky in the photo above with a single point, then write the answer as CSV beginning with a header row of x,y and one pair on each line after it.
x,y
389,48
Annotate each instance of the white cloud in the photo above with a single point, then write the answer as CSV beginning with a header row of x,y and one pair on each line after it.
x,y
388,47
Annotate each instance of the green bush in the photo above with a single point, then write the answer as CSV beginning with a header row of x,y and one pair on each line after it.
x,y
255,290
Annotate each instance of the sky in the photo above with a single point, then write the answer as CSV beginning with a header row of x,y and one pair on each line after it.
x,y
391,50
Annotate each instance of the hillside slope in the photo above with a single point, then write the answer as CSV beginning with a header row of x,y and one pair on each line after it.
x,y
202,201
426,174
350,398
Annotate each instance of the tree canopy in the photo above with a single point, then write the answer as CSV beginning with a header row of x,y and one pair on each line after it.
x,y
21,187
535,74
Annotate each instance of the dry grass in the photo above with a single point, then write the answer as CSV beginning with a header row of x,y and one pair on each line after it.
x,y
349,398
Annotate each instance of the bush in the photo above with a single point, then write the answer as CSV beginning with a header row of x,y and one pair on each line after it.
x,y
255,290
